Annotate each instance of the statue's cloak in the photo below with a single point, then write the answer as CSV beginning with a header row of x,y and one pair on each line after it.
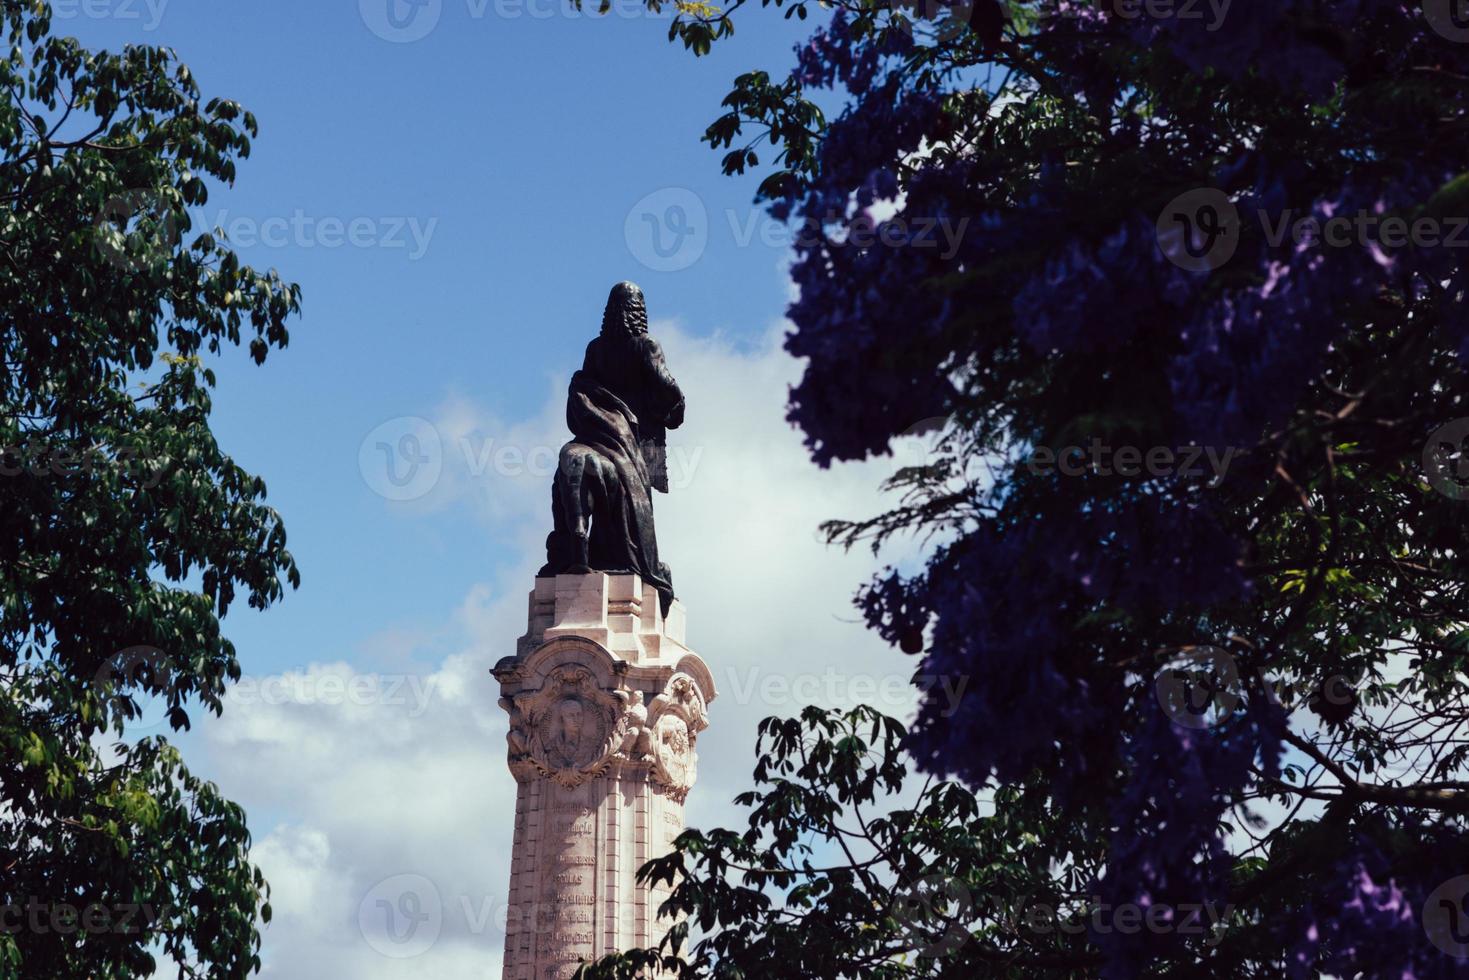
x,y
601,421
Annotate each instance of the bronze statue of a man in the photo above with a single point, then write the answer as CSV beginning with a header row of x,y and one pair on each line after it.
x,y
619,408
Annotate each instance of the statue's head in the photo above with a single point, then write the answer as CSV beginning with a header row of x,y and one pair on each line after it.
x,y
626,315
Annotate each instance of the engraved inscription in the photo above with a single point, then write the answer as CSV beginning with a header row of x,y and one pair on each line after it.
x,y
568,885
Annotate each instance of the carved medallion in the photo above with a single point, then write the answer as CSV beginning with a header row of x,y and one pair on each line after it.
x,y
569,728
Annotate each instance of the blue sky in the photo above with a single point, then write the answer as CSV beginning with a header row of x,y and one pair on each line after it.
x,y
492,165
456,208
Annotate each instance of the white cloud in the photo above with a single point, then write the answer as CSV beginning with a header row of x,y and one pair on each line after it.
x,y
352,782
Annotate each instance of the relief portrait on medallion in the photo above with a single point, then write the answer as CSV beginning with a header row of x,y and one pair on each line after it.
x,y
572,734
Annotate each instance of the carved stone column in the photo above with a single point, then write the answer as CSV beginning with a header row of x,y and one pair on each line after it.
x,y
606,704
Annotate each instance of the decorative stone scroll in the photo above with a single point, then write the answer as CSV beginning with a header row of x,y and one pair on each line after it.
x,y
677,717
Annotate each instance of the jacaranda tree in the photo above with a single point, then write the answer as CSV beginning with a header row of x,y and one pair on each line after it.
x,y
1198,498
126,532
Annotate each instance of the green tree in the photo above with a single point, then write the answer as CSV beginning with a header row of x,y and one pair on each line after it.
x,y
126,532
845,872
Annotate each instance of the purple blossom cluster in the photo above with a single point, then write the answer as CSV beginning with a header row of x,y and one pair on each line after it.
x,y
832,56
1303,46
1368,920
1247,354
851,399
1002,603
1097,297
1271,35
1047,283
1167,852
999,607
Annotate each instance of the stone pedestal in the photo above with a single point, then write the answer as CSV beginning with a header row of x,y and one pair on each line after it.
x,y
606,704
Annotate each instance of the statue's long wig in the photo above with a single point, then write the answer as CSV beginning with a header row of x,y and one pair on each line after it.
x,y
626,314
